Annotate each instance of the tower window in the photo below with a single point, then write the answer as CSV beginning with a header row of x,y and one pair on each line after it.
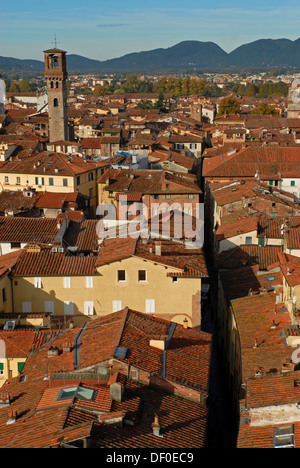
x,y
54,61
57,84
51,84
55,102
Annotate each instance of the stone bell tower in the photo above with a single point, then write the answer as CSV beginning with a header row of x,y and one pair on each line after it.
x,y
56,78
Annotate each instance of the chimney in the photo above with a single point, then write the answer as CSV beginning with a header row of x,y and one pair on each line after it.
x,y
116,389
159,342
67,347
158,248
12,417
53,352
4,399
156,427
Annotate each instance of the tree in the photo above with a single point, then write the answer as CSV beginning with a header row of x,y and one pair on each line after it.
x,y
160,103
229,105
14,88
144,105
100,91
24,86
265,109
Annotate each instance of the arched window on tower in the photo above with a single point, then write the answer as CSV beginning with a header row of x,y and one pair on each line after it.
x,y
54,61
55,102
51,84
57,84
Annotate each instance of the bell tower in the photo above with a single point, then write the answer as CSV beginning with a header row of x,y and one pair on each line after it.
x,y
56,78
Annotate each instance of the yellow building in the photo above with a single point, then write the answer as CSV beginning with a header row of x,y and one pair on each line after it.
x,y
52,172
162,279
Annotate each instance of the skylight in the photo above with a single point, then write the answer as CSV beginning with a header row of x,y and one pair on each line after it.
x,y
76,392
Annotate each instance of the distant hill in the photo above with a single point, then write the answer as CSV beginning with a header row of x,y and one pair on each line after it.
x,y
187,55
267,53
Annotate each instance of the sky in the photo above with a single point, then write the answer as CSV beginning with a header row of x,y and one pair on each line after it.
x,y
103,30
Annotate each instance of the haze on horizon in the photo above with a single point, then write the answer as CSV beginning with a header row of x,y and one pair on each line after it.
x,y
105,31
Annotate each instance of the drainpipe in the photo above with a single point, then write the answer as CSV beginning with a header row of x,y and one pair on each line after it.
x,y
12,291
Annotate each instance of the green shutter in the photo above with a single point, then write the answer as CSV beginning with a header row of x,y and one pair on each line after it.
x,y
36,181
65,182
50,180
1,366
20,366
43,181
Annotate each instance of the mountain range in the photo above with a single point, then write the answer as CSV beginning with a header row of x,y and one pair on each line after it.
x,y
187,55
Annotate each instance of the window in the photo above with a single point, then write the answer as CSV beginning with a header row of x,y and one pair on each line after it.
x,y
4,297
6,179
156,197
193,145
1,368
69,308
111,194
76,392
37,282
273,215
191,196
91,176
284,437
248,240
20,366
89,282
150,306
168,196
175,279
15,245
66,282
57,84
293,183
78,180
142,275
18,180
88,307
121,275
51,181
116,305
26,307
261,241
55,102
65,182
91,193
49,307
39,181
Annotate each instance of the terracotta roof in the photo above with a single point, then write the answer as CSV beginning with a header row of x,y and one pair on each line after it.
x,y
43,421
17,202
268,162
131,181
189,261
47,263
48,163
248,255
28,230
240,226
56,200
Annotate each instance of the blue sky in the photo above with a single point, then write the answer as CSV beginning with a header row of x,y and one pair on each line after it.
x,y
103,30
